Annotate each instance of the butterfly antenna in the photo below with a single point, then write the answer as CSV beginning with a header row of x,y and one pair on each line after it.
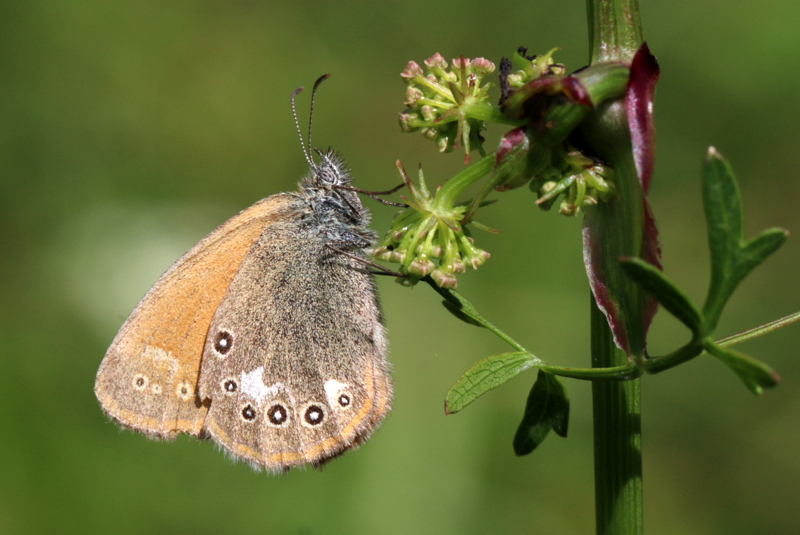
x,y
311,113
297,125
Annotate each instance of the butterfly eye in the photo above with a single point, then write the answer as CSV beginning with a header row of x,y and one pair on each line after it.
x,y
327,175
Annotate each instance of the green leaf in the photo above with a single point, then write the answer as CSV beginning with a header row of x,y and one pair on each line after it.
x,y
731,258
459,311
664,291
463,310
487,374
458,305
723,209
547,408
754,374
757,250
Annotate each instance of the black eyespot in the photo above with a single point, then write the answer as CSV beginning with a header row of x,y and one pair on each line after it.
x,y
229,386
223,342
344,400
140,382
249,413
277,414
314,415
184,391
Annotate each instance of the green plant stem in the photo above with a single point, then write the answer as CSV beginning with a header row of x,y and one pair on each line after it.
x,y
619,373
695,348
617,438
446,196
615,33
761,330
615,29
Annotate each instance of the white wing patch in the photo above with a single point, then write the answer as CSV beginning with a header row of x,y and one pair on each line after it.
x,y
333,387
253,386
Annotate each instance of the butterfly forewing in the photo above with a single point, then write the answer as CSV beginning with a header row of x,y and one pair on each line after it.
x,y
148,378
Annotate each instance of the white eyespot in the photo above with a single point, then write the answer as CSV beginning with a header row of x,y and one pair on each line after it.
x,y
223,342
248,413
338,394
140,381
344,400
277,415
313,414
229,386
156,389
184,391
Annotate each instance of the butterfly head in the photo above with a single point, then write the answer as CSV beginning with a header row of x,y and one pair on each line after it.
x,y
329,173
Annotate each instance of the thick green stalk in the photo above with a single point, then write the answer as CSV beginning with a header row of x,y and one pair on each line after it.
x,y
615,30
617,438
615,34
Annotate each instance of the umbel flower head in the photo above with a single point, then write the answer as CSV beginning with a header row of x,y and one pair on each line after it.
x,y
448,105
428,238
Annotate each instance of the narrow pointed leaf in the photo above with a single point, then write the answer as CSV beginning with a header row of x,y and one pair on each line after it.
x,y
665,292
458,306
487,374
723,209
756,251
731,258
547,408
463,310
754,374
458,311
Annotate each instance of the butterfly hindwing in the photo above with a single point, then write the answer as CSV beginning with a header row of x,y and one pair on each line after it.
x,y
294,363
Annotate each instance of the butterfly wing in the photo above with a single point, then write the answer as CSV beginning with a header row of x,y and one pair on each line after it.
x,y
148,378
294,364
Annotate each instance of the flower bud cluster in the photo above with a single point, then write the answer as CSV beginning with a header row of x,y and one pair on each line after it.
x,y
539,152
448,104
581,180
429,239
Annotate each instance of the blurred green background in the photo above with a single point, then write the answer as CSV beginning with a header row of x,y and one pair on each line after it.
x,y
128,130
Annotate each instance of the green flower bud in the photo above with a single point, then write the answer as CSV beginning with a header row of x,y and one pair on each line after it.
x,y
407,121
444,279
428,233
413,95
421,266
